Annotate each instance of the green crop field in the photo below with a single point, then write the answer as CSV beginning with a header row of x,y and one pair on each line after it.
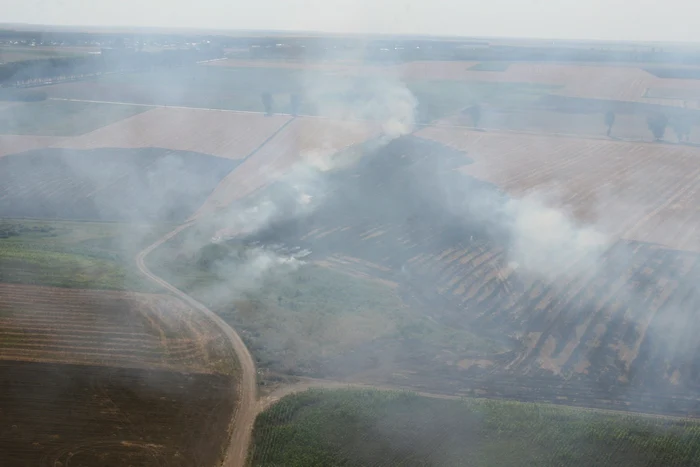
x,y
347,427
74,254
61,118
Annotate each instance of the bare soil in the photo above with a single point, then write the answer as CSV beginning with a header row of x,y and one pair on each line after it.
x,y
60,415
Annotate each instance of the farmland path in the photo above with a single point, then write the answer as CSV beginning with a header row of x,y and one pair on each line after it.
x,y
244,417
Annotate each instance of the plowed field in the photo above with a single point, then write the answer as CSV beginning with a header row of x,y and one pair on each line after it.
x,y
92,327
77,415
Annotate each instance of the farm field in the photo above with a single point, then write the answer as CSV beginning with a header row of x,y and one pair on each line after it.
x,y
12,144
305,142
61,118
114,329
74,254
145,184
353,427
224,134
60,414
602,81
644,192
610,328
324,93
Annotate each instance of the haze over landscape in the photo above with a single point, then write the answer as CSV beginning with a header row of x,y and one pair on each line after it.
x,y
624,20
327,234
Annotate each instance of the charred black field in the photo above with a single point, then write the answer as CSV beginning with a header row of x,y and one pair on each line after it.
x,y
468,319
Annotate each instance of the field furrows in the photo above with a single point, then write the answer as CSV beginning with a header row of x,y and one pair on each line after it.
x,y
643,192
110,328
224,134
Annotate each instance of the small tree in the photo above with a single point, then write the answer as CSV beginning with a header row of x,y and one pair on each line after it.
x,y
610,120
295,104
657,124
267,103
475,113
682,128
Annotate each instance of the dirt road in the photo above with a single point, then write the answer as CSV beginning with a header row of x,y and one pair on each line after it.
x,y
242,424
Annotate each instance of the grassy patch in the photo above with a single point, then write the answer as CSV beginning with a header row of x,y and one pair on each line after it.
x,y
490,66
74,254
61,118
314,319
360,427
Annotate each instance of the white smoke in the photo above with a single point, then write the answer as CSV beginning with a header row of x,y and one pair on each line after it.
x,y
548,242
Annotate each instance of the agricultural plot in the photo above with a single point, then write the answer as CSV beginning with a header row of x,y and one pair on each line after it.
x,y
148,184
304,142
75,254
588,325
57,414
12,144
61,118
363,427
116,329
224,134
626,190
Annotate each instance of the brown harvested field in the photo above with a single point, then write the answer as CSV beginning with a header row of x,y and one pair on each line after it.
x,y
93,377
232,135
12,144
78,415
638,191
95,327
306,140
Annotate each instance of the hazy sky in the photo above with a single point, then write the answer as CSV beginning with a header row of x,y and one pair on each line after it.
x,y
671,20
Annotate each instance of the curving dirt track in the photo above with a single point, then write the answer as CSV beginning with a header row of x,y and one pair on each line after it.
x,y
244,416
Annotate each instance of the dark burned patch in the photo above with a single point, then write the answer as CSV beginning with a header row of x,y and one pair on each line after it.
x,y
629,322
56,415
146,184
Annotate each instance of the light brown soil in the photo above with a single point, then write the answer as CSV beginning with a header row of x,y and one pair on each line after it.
x,y
640,191
232,135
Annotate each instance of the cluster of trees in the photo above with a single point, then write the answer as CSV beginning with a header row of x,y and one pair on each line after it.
x,y
268,102
34,72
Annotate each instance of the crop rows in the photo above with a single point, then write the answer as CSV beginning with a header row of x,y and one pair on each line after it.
x,y
372,428
105,328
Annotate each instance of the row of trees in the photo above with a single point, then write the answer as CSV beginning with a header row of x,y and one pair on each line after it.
x,y
657,123
269,103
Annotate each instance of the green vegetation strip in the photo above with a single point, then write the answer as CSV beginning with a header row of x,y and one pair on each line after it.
x,y
74,254
348,427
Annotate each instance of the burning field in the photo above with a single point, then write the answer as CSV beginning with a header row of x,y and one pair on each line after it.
x,y
599,319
